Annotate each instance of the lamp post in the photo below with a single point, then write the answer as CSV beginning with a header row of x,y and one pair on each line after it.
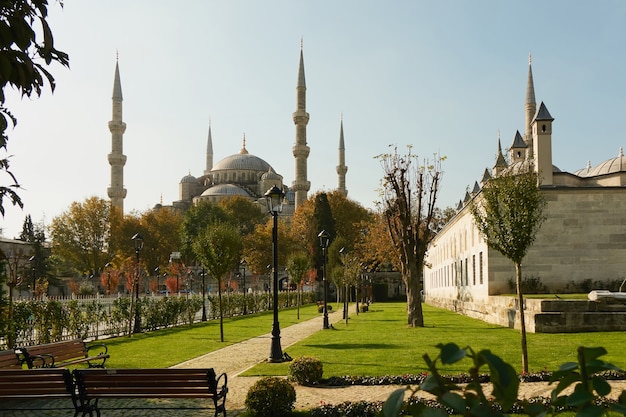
x,y
324,239
157,272
108,267
203,296
244,264
138,240
33,260
274,198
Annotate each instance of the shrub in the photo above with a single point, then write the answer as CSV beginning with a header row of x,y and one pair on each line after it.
x,y
320,308
306,370
271,397
530,285
364,308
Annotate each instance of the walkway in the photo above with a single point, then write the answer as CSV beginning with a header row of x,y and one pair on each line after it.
x,y
237,358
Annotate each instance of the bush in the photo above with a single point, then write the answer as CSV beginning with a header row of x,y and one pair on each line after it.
x,y
364,308
271,397
320,308
306,370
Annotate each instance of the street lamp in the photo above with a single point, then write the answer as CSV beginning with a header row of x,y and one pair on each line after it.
x,y
324,239
138,240
32,260
244,264
108,267
203,296
274,198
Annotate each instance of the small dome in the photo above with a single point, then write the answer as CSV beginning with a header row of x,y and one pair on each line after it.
x,y
225,190
271,175
613,165
189,179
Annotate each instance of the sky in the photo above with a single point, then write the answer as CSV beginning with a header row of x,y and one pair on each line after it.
x,y
444,76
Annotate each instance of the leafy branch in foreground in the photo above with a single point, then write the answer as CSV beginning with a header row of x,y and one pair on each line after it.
x,y
586,376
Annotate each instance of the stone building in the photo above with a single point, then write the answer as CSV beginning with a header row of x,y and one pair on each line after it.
x,y
582,239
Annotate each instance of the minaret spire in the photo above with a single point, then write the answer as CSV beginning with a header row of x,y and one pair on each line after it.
x,y
209,152
117,159
531,108
342,168
300,150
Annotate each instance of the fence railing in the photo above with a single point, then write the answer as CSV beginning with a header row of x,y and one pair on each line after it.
x,y
50,319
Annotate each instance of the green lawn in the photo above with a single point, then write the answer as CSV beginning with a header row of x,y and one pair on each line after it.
x,y
167,347
380,343
374,343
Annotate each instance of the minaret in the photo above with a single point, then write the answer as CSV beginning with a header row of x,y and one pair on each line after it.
x,y
209,153
300,150
116,158
342,168
531,108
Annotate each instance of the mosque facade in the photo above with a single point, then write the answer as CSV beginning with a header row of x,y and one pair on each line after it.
x,y
583,238
241,174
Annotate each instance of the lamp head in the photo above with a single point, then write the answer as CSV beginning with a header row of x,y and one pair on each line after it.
x,y
138,240
274,198
324,238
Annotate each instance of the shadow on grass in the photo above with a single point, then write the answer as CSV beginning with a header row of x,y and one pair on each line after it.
x,y
344,346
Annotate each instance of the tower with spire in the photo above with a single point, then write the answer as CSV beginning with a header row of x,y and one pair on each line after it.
x,y
209,153
531,108
301,185
342,169
117,159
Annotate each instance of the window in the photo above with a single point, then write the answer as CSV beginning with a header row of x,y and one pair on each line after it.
x,y
480,267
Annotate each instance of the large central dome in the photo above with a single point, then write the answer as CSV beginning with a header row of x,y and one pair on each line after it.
x,y
242,161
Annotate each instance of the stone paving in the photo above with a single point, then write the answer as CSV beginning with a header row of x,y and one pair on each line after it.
x,y
237,358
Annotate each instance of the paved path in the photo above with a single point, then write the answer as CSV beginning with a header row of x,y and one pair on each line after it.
x,y
235,359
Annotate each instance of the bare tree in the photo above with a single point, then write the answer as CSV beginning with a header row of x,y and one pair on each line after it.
x,y
409,193
508,213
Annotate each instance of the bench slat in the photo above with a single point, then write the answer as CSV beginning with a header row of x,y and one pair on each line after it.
x,y
62,354
94,384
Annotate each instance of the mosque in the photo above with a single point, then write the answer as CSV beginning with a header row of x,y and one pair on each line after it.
x,y
582,241
241,174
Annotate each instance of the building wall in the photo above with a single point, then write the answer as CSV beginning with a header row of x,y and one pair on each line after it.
x,y
583,237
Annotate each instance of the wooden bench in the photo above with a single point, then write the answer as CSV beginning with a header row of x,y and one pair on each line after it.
x,y
10,359
63,354
35,384
95,384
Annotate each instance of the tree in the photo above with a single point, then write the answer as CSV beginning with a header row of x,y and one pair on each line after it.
x,y
298,264
508,213
23,56
161,231
195,220
80,234
409,193
243,213
40,267
218,248
258,246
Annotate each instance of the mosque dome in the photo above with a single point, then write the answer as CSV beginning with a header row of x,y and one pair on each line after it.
x,y
188,179
613,165
225,190
242,161
271,175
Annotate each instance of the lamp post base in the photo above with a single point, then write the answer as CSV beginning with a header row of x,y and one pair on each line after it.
x,y
276,352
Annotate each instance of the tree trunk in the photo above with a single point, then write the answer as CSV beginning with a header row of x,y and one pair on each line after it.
x,y
520,301
219,298
413,281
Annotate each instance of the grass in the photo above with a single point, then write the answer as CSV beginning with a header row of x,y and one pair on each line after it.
x,y
380,343
167,347
374,343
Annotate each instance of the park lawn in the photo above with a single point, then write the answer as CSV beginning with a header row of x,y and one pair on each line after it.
x,y
167,347
379,342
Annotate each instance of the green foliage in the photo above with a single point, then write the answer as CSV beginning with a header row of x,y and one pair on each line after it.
x,y
509,212
320,307
306,370
24,53
589,387
530,285
271,397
